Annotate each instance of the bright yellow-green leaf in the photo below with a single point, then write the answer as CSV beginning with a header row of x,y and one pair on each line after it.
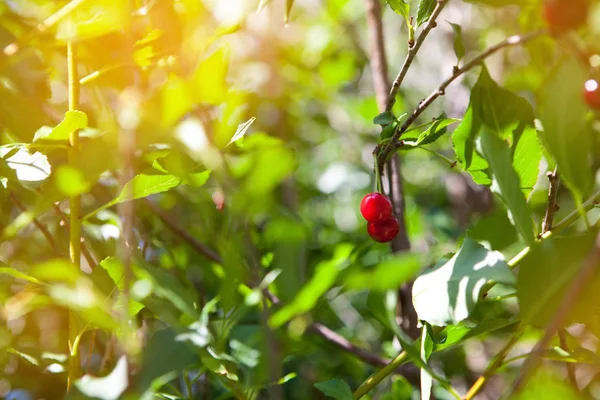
x,y
209,84
71,181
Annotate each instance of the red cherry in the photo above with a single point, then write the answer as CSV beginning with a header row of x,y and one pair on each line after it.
x,y
591,94
383,231
563,15
376,207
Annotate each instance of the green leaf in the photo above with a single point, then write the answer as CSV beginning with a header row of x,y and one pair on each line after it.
x,y
70,181
162,355
400,7
241,130
456,334
507,116
565,134
459,47
494,228
545,273
6,270
109,387
57,270
548,387
384,118
387,131
449,292
401,389
72,121
425,10
29,167
463,139
142,185
505,182
336,389
324,277
169,288
435,130
387,275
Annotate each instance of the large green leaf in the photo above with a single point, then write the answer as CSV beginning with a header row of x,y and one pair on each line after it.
x,y
563,115
324,277
389,274
508,116
548,387
72,121
544,275
29,167
164,354
505,182
449,292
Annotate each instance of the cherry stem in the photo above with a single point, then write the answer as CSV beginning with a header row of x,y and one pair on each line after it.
x,y
378,176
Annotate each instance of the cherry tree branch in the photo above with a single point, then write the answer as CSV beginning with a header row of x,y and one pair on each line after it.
x,y
413,48
377,58
384,153
552,207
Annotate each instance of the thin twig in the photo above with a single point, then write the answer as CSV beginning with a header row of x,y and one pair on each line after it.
x,y
573,294
491,369
562,338
515,40
36,222
412,52
198,246
380,375
552,207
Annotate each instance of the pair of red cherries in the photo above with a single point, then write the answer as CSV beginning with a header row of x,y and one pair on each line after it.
x,y
377,209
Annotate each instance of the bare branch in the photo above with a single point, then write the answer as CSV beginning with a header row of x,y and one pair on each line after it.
x,y
552,207
515,40
36,222
412,52
198,246
377,57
